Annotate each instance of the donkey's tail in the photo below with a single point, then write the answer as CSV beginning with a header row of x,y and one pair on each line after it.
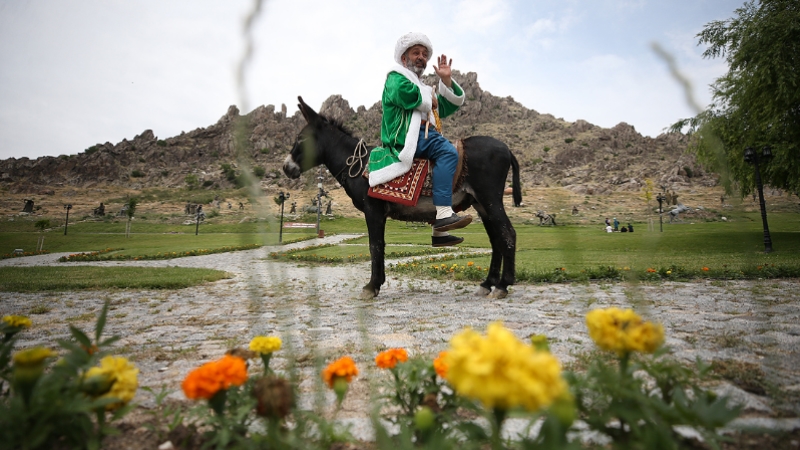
x,y
516,186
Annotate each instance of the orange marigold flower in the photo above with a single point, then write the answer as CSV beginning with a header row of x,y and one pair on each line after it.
x,y
343,367
705,269
439,365
390,358
651,270
208,379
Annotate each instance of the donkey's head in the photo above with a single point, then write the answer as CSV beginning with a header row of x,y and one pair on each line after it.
x,y
307,149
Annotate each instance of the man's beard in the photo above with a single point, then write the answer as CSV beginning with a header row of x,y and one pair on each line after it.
x,y
410,65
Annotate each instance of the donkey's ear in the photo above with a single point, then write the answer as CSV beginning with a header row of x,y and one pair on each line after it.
x,y
308,113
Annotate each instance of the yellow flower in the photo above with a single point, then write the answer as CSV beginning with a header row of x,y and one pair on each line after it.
x,y
501,371
623,331
17,321
124,376
265,344
32,356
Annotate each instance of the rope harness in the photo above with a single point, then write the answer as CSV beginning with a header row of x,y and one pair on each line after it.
x,y
357,160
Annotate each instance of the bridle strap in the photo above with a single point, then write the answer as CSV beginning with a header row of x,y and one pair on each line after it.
x,y
355,163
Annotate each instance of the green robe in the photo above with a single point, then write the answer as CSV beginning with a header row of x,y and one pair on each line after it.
x,y
406,102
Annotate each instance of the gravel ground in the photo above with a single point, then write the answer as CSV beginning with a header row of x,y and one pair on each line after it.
x,y
317,312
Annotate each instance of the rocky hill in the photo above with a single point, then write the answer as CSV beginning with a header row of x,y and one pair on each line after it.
x,y
552,152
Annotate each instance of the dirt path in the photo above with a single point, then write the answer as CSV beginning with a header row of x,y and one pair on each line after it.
x,y
752,325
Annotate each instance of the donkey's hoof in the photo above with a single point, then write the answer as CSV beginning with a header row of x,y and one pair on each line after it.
x,y
482,292
499,293
368,292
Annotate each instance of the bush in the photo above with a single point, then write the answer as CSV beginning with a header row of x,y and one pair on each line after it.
x,y
688,171
229,172
161,143
67,404
137,174
569,140
259,171
191,181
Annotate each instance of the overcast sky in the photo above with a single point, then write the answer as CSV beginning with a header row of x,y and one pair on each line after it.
x,y
80,72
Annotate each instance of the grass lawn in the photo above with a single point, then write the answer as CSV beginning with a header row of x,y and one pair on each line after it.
x,y
725,249
73,278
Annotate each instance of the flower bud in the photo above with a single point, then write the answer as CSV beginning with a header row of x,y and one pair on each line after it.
x,y
424,419
97,385
275,397
563,408
28,368
340,386
539,342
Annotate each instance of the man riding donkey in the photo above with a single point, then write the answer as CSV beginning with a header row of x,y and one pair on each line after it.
x,y
409,107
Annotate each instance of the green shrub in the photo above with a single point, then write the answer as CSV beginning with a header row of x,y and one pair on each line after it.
x,y
64,404
229,172
259,171
137,174
161,143
569,140
688,171
191,181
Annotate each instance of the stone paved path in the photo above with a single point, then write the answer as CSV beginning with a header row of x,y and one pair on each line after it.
x,y
317,312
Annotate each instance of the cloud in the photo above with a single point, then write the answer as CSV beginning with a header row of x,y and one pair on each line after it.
x,y
541,26
481,15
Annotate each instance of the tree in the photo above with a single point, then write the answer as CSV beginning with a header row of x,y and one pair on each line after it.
x,y
757,103
647,191
41,225
130,211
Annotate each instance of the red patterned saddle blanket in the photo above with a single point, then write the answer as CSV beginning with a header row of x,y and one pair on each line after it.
x,y
407,188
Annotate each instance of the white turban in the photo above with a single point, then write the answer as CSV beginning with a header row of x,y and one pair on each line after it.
x,y
409,40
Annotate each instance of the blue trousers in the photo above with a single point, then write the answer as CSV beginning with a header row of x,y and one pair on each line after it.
x,y
444,157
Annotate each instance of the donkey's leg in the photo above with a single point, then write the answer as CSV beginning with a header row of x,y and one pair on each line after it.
x,y
508,249
376,226
493,275
504,242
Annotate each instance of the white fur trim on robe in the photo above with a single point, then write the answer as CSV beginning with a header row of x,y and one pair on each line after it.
x,y
419,113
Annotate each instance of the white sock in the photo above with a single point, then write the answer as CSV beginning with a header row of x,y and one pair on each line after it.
x,y
443,212
440,233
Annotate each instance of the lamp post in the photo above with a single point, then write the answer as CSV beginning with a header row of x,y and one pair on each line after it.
x,y
752,157
320,193
197,219
281,199
660,199
66,222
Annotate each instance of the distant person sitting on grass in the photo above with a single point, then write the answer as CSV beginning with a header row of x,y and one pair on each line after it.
x,y
630,228
609,229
